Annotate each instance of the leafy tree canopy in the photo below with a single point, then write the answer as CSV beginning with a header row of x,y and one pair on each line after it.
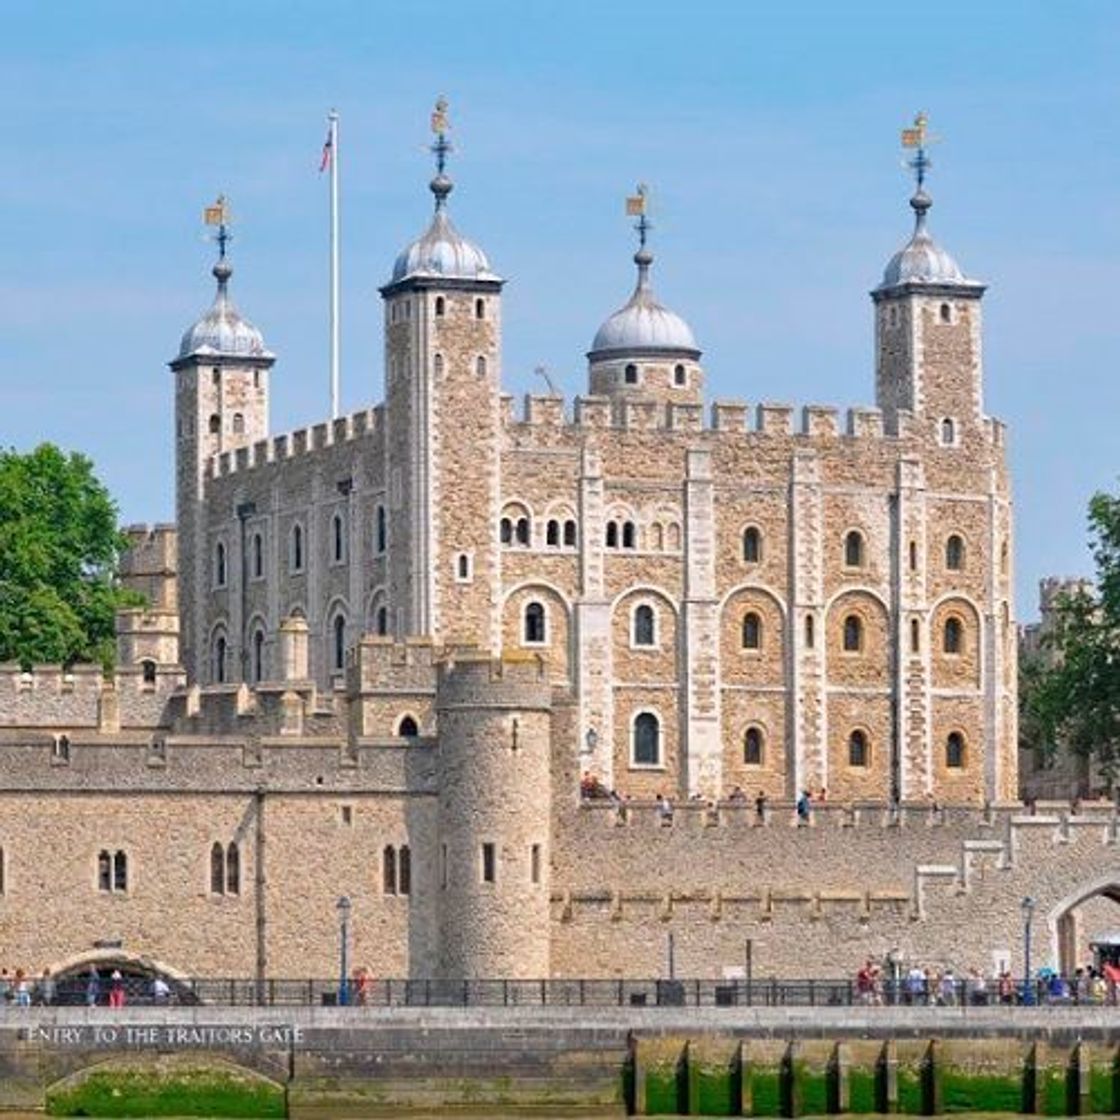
x,y
59,547
1071,694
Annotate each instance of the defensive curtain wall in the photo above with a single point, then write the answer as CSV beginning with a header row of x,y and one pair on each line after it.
x,y
319,797
364,1062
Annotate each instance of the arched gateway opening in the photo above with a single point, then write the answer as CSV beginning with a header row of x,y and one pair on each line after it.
x,y
88,979
1084,919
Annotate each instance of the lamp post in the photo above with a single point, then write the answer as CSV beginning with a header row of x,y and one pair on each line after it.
x,y
343,906
1027,907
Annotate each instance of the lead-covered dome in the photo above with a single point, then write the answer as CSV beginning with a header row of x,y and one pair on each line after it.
x,y
223,331
643,324
921,260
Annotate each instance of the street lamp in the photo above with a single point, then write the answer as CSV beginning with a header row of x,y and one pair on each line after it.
x,y
343,906
1027,907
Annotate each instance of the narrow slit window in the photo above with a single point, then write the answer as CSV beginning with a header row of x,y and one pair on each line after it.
x,y
535,863
489,868
389,870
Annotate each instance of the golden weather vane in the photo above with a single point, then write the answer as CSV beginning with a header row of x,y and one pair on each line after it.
x,y
218,215
919,138
636,207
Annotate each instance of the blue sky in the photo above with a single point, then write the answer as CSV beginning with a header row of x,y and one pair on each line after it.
x,y
768,134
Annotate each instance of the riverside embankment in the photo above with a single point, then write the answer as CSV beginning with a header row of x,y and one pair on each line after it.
x,y
338,1062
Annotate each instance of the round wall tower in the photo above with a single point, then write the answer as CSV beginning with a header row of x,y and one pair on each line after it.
x,y
493,870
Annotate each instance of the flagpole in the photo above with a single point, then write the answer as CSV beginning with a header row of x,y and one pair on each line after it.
x,y
333,140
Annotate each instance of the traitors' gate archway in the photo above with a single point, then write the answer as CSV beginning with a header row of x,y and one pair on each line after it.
x,y
1068,933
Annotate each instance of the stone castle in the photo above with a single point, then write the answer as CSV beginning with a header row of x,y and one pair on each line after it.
x,y
381,653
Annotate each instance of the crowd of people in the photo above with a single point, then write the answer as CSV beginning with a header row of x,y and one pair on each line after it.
x,y
91,989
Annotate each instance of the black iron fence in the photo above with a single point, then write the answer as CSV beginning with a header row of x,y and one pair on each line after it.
x,y
133,990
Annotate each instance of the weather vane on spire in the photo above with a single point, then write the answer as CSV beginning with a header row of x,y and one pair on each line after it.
x,y
219,215
636,205
918,137
440,126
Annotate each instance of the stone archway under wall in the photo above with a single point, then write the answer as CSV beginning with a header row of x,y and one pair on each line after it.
x,y
1068,937
72,978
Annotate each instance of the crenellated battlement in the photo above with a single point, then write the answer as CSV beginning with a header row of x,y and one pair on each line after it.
x,y
476,678
367,423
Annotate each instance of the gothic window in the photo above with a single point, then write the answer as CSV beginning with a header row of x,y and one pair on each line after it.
x,y
338,538
295,552
258,556
752,747
407,728
647,740
954,635
915,636
120,871
215,424
382,623
954,750
521,531
673,536
338,660
752,545
258,655
853,549
505,531
389,870
148,670
630,374
552,534
238,424
480,309
569,534
612,534
657,536
233,870
534,624
857,749
809,631
220,659
629,535
679,375
104,871
752,631
381,531
645,629
440,305
219,565
404,870
480,366
853,634
954,553
948,432
217,869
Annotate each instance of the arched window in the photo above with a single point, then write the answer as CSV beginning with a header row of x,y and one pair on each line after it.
x,y
338,660
946,313
645,628
104,871
480,309
948,432
657,536
215,377
853,550
809,631
629,535
440,305
295,552
647,740
120,871
238,424
853,634
857,749
630,374
148,669
954,635
679,375
954,750
338,537
552,534
220,659
258,556
673,536
404,870
569,534
915,636
217,869
382,623
407,728
219,565
437,366
233,870
215,424
752,545
258,656
521,531
480,366
612,534
463,567
752,747
534,624
752,631
505,531
954,553
380,531
389,870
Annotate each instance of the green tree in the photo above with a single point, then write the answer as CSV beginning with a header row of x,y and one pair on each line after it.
x,y
59,547
1073,696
